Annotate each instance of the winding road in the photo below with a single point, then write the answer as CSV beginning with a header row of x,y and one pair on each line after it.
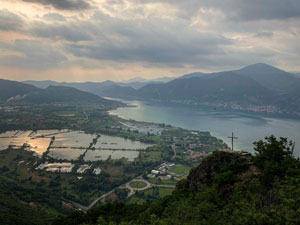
x,y
127,185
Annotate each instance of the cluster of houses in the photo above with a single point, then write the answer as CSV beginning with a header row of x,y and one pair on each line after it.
x,y
56,167
194,154
163,172
141,128
65,167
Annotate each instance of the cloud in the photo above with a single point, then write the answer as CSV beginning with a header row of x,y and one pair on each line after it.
x,y
54,17
10,21
262,9
73,32
264,34
159,41
30,54
64,4
152,34
241,9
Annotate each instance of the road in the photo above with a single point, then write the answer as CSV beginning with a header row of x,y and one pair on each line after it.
x,y
127,185
174,149
131,189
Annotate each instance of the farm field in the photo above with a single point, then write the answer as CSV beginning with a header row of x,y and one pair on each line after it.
x,y
180,169
138,184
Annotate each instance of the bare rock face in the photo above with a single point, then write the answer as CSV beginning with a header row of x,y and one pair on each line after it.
x,y
222,168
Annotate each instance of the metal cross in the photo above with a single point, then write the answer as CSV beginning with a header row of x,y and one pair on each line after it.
x,y
232,139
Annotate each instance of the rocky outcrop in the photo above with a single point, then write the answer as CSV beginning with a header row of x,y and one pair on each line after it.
x,y
222,168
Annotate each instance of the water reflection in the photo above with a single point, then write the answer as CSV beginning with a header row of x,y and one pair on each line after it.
x,y
70,145
248,127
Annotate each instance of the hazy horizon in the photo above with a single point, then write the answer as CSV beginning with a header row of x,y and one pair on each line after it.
x,y
139,79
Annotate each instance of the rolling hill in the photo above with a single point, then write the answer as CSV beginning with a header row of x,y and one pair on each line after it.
x,y
54,94
226,86
10,89
17,91
268,76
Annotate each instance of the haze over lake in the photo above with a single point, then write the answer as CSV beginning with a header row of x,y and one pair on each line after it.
x,y
247,127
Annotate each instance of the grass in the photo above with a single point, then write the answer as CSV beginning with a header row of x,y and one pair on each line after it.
x,y
114,171
165,192
165,182
156,139
162,191
180,169
150,156
135,200
148,194
137,184
184,176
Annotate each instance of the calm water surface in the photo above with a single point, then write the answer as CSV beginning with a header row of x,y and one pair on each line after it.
x,y
247,127
70,145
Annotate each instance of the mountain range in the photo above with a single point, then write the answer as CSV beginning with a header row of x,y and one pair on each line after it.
x,y
257,87
94,87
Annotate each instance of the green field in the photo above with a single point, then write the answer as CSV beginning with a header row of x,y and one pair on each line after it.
x,y
150,194
150,157
184,176
180,169
138,184
166,182
135,200
162,191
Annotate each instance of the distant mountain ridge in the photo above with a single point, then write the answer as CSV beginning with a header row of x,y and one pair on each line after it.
x,y
258,87
10,89
270,77
17,91
54,94
255,87
226,86
95,87
192,75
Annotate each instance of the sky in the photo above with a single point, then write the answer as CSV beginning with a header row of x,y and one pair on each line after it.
x,y
97,40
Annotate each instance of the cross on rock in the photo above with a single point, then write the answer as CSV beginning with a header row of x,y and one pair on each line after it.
x,y
232,140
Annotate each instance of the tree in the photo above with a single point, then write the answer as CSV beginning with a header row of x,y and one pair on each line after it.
x,y
274,157
101,221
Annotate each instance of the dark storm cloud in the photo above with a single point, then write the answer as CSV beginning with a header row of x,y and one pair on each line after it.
x,y
155,41
70,32
64,4
10,21
194,34
262,9
240,9
31,54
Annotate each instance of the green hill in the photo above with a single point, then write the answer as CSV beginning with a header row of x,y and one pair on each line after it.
x,y
10,89
17,91
225,86
54,94
269,76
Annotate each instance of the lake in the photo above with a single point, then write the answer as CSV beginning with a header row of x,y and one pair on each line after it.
x,y
246,126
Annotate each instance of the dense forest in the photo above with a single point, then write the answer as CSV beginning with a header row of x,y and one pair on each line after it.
x,y
226,188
